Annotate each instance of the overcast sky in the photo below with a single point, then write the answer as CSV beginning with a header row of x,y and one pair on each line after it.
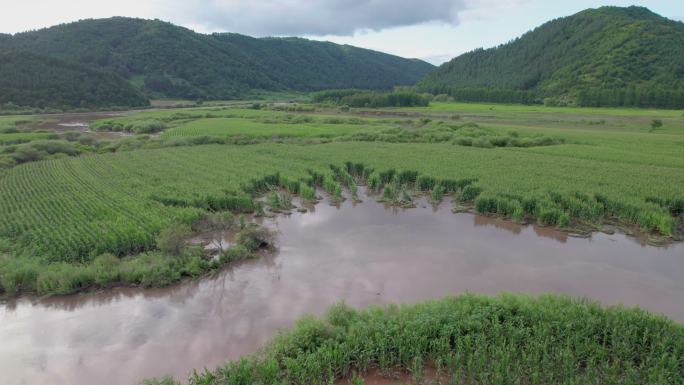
x,y
432,30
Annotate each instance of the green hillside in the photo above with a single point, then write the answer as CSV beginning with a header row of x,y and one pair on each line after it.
x,y
609,56
33,80
165,60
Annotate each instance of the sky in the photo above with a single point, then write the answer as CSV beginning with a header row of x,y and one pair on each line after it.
x,y
432,30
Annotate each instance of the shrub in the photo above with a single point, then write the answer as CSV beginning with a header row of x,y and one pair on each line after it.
x,y
235,253
173,239
656,124
254,237
105,269
464,141
482,142
146,126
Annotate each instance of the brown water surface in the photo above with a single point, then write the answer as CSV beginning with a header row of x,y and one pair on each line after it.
x,y
365,254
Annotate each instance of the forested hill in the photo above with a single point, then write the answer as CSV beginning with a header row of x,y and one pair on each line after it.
x,y
28,79
609,56
164,60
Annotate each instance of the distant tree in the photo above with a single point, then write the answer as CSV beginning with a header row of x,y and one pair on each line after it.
x,y
656,124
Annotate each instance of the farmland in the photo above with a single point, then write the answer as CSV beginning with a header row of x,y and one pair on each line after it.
x,y
180,207
577,170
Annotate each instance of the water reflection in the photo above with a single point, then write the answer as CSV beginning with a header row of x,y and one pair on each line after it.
x,y
364,255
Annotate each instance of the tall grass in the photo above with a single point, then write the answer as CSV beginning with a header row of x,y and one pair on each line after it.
x,y
508,339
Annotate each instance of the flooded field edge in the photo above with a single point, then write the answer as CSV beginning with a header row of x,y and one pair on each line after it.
x,y
363,253
208,241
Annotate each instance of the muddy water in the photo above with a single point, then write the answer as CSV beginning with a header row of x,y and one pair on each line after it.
x,y
71,121
364,255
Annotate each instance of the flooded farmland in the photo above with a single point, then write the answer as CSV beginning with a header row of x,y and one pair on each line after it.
x,y
362,254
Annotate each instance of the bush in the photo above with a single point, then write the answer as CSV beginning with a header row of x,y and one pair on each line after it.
x,y
106,269
146,126
425,183
173,239
254,237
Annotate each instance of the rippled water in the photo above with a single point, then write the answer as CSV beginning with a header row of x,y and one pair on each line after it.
x,y
363,254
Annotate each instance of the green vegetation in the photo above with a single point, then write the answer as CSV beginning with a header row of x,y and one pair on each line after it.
x,y
603,167
43,82
162,61
609,56
506,339
173,259
361,98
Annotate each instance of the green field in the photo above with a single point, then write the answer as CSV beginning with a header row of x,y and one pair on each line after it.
x,y
469,339
229,127
602,168
22,137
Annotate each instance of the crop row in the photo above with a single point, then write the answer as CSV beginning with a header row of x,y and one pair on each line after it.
x,y
74,209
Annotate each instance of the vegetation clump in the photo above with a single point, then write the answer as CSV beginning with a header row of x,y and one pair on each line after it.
x,y
371,99
470,339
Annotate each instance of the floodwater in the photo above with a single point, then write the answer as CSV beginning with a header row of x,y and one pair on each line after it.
x,y
78,121
363,254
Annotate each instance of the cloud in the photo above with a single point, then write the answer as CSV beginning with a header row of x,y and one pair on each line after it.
x,y
313,17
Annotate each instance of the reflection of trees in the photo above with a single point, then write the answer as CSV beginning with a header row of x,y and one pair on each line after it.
x,y
177,294
554,234
516,228
483,221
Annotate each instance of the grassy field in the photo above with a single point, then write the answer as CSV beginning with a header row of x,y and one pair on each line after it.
x,y
22,137
536,109
229,127
469,339
61,214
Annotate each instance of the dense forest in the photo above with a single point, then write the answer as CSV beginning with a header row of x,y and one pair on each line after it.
x,y
609,56
164,60
32,80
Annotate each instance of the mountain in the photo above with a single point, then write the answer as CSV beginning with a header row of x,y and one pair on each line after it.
x,y
164,60
28,79
606,56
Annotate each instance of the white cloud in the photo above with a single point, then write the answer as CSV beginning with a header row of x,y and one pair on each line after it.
x,y
313,17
